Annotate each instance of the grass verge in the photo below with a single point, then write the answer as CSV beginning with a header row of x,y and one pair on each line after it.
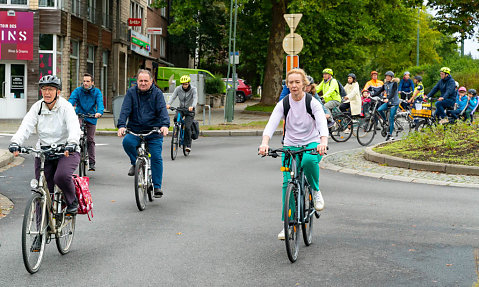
x,y
453,144
260,108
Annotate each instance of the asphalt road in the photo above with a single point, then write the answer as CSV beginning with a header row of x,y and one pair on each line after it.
x,y
218,221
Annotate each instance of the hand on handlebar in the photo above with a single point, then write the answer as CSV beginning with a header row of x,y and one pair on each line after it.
x,y
121,132
14,148
164,131
322,148
168,107
263,149
97,115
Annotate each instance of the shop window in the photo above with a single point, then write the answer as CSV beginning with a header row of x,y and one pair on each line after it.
x,y
2,80
46,42
74,65
14,2
162,47
46,3
104,77
90,66
18,81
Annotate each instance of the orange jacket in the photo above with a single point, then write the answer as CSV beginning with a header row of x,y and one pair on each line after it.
x,y
374,83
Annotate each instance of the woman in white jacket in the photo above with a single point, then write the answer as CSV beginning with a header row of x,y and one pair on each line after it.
x,y
55,121
352,100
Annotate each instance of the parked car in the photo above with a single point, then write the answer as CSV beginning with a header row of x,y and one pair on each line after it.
x,y
243,91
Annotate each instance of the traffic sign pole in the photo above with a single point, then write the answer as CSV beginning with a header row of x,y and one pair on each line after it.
x,y
292,43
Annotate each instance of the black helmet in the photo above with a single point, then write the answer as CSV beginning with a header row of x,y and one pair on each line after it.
x,y
352,76
389,73
418,78
472,92
51,81
310,80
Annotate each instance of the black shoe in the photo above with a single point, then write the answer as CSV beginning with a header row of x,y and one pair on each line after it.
x,y
37,244
188,149
72,208
91,167
158,193
378,128
389,137
131,172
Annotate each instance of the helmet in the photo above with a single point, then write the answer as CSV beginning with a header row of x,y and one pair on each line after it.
x,y
310,80
446,70
185,79
374,72
457,84
50,81
472,91
406,73
328,71
352,75
418,78
389,73
462,89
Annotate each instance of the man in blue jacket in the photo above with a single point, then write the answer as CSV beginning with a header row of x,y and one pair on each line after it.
x,y
406,86
145,108
447,86
88,100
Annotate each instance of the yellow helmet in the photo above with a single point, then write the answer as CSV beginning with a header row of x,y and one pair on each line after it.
x,y
446,70
328,71
185,79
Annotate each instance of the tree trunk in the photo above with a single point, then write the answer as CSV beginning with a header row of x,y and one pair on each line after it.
x,y
275,60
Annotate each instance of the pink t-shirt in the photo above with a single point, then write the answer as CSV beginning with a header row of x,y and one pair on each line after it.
x,y
301,129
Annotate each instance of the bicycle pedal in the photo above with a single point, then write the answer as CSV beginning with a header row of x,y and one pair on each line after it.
x,y
317,214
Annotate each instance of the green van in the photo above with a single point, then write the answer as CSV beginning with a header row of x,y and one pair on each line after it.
x,y
165,73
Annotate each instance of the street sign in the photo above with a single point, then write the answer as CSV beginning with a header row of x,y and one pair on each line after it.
x,y
134,21
292,44
234,58
154,31
292,61
292,20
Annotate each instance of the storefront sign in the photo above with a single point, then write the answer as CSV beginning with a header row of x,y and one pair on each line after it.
x,y
134,21
140,43
16,36
154,31
17,83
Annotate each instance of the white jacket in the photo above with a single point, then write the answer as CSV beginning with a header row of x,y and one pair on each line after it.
x,y
57,126
354,97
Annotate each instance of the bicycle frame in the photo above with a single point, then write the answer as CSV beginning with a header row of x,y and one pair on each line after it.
x,y
181,124
142,151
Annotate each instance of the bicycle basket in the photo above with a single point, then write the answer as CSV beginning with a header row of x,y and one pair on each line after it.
x,y
425,112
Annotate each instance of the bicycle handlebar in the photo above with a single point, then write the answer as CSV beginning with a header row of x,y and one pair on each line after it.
x,y
83,116
154,130
274,152
53,149
179,109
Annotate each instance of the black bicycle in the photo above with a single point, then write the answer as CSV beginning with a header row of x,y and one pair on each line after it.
x,y
83,144
143,179
298,207
178,136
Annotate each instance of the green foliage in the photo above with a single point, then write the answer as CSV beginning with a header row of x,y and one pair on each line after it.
x,y
260,108
214,85
447,144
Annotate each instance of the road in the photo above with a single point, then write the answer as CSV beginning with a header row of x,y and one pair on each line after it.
x,y
218,221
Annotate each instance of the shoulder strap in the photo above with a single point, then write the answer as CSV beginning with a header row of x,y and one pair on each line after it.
x,y
308,100
286,108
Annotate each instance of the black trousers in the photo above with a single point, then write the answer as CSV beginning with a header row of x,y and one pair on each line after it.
x,y
188,117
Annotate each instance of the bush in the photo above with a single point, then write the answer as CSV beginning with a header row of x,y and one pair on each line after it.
x,y
214,85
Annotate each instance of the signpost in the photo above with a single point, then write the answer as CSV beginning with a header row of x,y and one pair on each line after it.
x,y
154,31
292,43
134,21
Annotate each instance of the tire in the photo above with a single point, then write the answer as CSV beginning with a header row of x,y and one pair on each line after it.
x,y
140,185
64,236
308,208
83,159
366,131
240,97
342,123
291,226
34,213
174,143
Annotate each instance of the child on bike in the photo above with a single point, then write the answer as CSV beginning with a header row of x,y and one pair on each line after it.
x,y
366,103
461,103
472,105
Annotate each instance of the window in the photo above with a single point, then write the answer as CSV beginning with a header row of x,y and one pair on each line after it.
x,y
46,59
153,41
59,57
14,2
91,11
136,11
74,65
46,42
162,47
18,73
106,14
90,62
163,12
104,78
46,3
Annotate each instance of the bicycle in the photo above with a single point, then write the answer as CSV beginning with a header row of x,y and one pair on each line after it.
x,y
342,122
403,117
143,179
298,205
178,136
83,144
45,215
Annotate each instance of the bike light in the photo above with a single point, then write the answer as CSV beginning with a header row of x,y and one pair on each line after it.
x,y
292,174
34,183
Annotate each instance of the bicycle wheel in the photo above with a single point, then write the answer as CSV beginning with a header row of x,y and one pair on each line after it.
x,y
308,215
83,158
174,143
32,231
366,131
339,130
66,229
291,226
140,184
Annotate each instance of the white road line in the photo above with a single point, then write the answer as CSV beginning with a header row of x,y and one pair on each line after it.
x,y
8,135
97,144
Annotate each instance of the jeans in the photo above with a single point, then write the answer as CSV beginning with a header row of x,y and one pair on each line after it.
x,y
441,107
59,172
90,141
310,165
188,119
392,114
155,146
455,114
331,105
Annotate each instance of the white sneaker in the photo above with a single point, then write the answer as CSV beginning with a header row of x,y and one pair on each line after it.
x,y
444,121
281,235
347,131
318,201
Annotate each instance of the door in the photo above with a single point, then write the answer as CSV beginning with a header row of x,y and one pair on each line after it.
x,y
13,95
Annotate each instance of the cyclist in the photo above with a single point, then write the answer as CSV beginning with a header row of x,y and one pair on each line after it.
x,y
472,106
374,84
418,95
352,100
391,101
145,108
301,129
88,100
405,85
461,103
188,100
55,122
448,94
330,89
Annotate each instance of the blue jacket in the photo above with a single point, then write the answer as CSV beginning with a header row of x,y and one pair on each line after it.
x,y
447,86
144,110
284,92
391,89
406,85
461,102
87,102
472,103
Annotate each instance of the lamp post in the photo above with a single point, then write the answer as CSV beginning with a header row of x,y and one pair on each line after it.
x,y
231,90
417,42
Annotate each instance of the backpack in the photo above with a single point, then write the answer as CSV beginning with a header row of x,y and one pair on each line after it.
x,y
195,130
342,91
82,191
286,108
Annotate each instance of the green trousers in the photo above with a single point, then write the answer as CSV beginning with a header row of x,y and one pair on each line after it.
x,y
310,165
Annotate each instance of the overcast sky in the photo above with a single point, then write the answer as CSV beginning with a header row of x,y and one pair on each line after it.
x,y
471,46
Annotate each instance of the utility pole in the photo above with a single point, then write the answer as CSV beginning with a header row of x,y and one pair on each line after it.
x,y
417,42
232,62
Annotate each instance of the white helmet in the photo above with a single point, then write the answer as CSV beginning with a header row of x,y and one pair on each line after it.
x,y
457,84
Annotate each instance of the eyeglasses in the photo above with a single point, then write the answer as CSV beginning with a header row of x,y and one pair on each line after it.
x,y
48,89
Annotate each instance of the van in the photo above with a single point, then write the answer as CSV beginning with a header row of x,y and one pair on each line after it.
x,y
165,73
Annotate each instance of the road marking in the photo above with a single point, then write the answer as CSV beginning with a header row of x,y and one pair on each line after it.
x,y
8,135
100,144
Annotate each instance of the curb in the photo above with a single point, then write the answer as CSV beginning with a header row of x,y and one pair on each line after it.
x,y
210,133
373,156
337,168
5,157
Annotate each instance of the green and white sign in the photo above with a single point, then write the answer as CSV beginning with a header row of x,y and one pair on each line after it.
x,y
140,44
